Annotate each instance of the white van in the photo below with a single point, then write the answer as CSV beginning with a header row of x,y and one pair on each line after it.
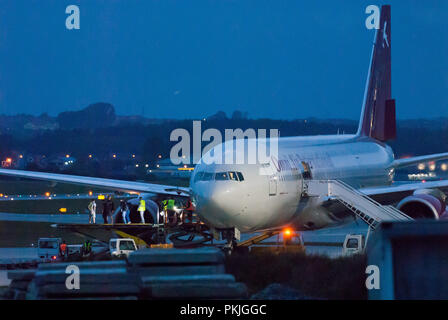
x,y
353,244
48,249
121,247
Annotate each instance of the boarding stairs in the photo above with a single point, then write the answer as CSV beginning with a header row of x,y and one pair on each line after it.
x,y
364,207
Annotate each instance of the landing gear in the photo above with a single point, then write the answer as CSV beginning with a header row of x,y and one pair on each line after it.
x,y
229,236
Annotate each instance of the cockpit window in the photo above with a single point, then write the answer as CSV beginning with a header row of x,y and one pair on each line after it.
x,y
232,176
198,176
221,176
207,176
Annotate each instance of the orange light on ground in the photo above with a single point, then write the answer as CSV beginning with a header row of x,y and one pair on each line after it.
x,y
47,194
287,232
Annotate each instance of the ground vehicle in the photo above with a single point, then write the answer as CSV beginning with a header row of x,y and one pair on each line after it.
x,y
353,244
48,249
120,247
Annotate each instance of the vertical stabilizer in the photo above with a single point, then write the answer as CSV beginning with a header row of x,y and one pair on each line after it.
x,y
378,112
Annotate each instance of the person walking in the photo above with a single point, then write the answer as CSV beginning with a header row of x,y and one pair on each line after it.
x,y
142,209
92,211
124,211
163,211
108,208
63,250
188,211
171,212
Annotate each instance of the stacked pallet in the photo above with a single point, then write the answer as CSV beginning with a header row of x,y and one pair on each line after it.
x,y
184,273
97,280
20,280
147,274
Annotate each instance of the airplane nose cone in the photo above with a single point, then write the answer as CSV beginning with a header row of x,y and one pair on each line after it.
x,y
217,204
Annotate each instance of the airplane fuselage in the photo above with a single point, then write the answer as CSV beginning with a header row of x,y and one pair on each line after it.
x,y
270,196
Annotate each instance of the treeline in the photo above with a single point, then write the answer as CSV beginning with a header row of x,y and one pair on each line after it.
x,y
148,141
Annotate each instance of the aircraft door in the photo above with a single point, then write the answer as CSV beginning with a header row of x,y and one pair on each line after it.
x,y
306,173
273,185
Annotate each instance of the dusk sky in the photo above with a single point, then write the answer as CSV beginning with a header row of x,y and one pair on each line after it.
x,y
189,59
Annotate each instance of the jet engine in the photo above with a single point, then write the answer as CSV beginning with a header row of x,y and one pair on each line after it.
x,y
424,204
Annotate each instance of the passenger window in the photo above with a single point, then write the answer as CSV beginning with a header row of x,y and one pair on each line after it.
x,y
221,176
240,176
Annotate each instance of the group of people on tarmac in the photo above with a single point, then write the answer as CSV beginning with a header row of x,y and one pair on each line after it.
x,y
167,211
173,216
108,209
86,249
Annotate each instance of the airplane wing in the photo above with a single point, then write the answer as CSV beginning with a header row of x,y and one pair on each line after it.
x,y
405,162
397,191
119,185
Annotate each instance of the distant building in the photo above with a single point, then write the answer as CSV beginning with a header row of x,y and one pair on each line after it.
x,y
165,168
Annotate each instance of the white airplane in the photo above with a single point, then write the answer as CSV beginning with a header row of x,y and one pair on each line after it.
x,y
237,196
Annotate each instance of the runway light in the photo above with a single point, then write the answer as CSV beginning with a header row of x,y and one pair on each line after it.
x,y
62,210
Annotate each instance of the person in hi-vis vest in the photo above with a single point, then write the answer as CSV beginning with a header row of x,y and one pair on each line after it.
x,y
142,209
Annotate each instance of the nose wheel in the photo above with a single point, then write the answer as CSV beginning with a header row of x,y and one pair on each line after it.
x,y
229,236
